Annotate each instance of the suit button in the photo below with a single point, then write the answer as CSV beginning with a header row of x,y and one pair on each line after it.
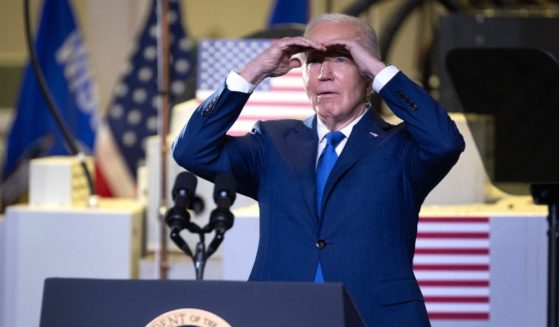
x,y
321,244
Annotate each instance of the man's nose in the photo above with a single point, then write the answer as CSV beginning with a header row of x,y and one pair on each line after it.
x,y
325,71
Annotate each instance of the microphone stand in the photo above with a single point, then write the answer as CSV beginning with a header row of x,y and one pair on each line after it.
x,y
201,253
200,258
221,219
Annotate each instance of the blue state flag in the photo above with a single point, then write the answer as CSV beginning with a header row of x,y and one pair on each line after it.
x,y
63,59
289,11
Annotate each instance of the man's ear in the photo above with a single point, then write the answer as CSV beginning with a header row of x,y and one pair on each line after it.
x,y
301,57
369,92
369,88
295,62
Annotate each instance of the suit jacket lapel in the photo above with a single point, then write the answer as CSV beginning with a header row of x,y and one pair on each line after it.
x,y
366,135
303,144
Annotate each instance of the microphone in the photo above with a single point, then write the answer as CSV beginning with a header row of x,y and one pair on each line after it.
x,y
197,205
225,190
177,217
183,189
221,218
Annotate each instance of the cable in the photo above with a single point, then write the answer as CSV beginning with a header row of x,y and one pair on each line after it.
x,y
359,7
45,92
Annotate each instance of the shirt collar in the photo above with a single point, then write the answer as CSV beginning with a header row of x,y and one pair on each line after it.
x,y
322,130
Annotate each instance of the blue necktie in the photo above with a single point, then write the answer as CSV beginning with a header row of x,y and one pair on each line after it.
x,y
326,162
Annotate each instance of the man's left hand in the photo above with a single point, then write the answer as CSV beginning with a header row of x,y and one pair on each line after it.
x,y
368,63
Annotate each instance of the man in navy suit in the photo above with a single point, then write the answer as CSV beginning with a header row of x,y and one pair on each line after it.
x,y
356,221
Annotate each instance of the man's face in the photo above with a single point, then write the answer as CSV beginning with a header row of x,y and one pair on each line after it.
x,y
333,82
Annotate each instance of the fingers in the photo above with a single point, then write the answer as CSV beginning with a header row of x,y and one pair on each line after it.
x,y
367,61
348,45
294,45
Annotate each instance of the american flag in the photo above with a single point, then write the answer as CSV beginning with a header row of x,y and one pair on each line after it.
x,y
451,264
132,115
452,254
275,98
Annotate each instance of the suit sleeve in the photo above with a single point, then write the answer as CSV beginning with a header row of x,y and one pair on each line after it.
x,y
436,142
203,147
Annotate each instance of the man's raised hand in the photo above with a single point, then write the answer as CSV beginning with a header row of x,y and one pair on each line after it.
x,y
278,59
368,62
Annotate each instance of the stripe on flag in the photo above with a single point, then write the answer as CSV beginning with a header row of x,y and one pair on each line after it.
x,y
452,266
275,98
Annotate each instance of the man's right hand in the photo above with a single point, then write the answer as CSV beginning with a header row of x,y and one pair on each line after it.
x,y
278,59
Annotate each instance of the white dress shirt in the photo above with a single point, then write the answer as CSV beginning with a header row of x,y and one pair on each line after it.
x,y
237,83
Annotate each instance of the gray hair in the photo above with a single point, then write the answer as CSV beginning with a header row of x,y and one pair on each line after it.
x,y
368,32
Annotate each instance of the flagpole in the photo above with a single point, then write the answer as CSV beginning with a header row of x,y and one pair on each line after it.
x,y
163,119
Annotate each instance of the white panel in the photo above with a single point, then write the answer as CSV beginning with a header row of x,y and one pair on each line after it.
x,y
241,242
58,181
465,182
42,243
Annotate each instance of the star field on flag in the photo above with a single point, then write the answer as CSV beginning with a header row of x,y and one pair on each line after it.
x,y
275,98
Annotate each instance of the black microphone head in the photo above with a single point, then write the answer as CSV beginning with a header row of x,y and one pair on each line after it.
x,y
197,205
185,181
225,188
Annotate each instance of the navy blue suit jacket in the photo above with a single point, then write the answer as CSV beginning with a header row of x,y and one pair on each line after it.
x,y
371,200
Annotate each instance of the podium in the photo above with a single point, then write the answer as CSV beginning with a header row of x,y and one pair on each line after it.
x,y
95,302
